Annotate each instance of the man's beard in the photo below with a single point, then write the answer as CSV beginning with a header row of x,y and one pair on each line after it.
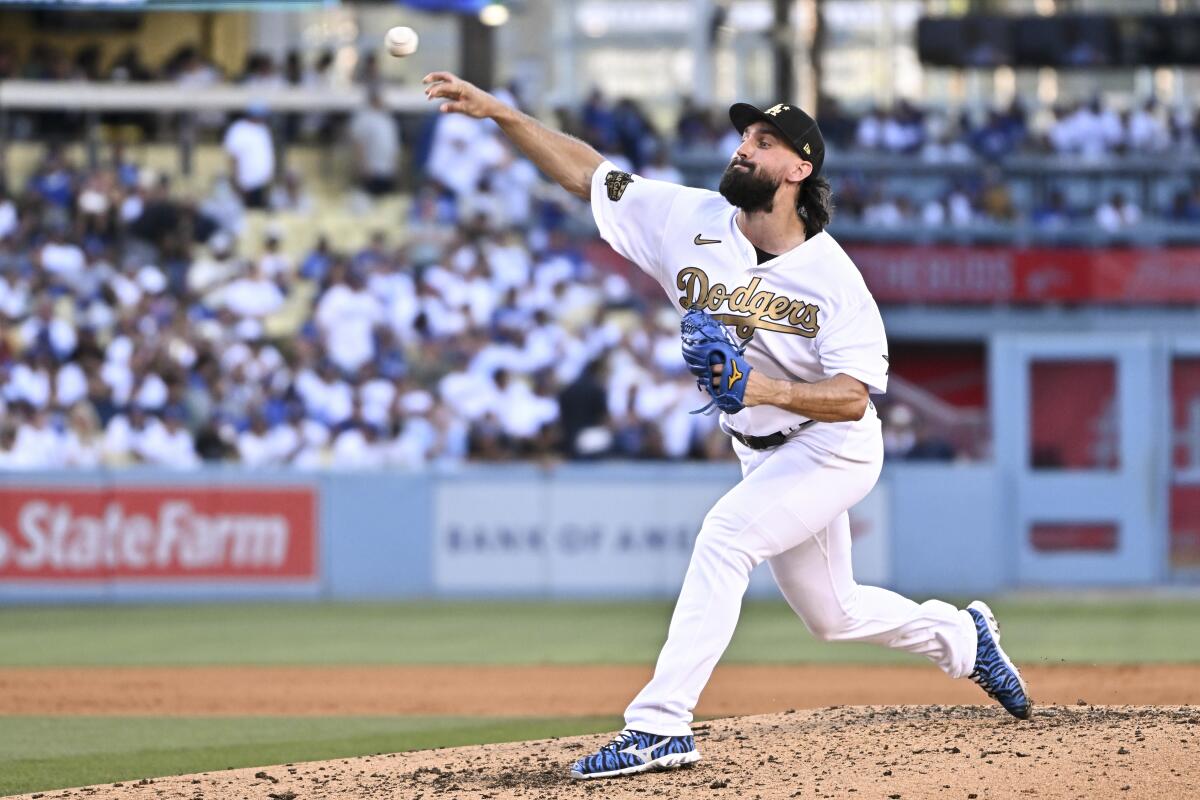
x,y
746,189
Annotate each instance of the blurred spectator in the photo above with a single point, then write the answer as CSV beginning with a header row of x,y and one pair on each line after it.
x,y
251,156
1145,132
1118,213
869,134
1054,214
517,183
999,137
692,127
1090,130
906,437
1185,207
660,167
260,72
583,409
463,148
376,140
8,212
274,263
83,439
899,431
128,67
168,444
254,445
289,194
252,297
213,269
996,198
46,333
347,315
903,130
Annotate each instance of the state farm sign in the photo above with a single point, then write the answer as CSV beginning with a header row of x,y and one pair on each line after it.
x,y
157,532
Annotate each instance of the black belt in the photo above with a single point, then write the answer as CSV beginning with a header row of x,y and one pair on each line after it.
x,y
770,440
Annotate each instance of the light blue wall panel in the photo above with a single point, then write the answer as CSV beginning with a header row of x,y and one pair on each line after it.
x,y
946,532
376,534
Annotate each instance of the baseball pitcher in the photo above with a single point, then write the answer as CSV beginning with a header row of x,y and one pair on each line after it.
x,y
781,332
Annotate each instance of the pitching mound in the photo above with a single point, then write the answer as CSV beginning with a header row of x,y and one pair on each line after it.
x,y
871,752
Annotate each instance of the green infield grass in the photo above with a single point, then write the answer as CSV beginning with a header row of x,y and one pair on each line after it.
x,y
1106,630
42,753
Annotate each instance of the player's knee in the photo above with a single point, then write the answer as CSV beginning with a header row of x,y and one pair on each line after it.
x,y
723,539
720,526
830,630
829,627
833,622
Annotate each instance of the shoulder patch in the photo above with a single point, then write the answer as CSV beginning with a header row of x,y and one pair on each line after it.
x,y
615,182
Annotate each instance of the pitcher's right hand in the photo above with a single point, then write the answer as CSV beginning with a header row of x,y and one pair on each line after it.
x,y
463,97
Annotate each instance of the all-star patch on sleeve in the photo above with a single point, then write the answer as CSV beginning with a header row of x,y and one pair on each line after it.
x,y
632,214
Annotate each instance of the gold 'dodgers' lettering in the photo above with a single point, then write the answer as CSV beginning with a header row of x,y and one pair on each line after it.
x,y
749,308
715,297
778,308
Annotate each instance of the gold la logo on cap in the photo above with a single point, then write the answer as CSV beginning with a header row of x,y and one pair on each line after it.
x,y
807,149
776,109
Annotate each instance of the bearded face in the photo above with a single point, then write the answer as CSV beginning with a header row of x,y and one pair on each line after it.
x,y
747,187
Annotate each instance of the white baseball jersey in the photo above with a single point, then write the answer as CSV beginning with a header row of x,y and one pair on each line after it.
x,y
808,309
811,317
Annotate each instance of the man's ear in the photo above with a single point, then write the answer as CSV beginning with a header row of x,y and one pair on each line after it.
x,y
800,171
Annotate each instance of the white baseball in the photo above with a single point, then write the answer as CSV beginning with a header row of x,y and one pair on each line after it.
x,y
401,41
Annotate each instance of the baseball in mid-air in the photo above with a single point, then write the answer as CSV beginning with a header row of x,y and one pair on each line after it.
x,y
401,41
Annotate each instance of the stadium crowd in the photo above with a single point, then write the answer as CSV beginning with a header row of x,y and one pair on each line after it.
x,y
133,330
1094,131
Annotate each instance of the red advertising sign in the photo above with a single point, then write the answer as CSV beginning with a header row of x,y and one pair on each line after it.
x,y
957,274
962,274
169,533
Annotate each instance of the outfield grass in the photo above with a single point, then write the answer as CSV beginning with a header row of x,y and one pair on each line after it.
x,y
1048,630
41,753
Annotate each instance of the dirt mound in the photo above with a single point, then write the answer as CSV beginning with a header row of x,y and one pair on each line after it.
x,y
870,752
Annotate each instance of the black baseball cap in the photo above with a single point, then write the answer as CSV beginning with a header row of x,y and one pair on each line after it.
x,y
796,127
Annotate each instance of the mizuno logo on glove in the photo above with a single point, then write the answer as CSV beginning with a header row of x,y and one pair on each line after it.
x,y
707,343
735,374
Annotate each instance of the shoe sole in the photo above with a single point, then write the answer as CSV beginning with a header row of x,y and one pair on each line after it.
x,y
669,761
994,627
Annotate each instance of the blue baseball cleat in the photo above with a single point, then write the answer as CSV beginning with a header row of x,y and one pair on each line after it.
x,y
993,670
635,751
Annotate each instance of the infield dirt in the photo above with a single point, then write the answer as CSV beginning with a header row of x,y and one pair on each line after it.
x,y
541,691
842,752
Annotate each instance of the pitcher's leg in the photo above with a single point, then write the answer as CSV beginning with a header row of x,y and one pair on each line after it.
x,y
817,580
775,508
706,614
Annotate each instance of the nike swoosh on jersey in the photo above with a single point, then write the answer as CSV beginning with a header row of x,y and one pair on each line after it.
x,y
698,240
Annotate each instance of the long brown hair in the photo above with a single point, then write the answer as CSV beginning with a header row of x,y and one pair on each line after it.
x,y
814,204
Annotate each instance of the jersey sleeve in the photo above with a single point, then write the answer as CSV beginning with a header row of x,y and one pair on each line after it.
x,y
632,213
855,344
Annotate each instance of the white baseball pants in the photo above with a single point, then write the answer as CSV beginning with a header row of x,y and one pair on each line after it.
x,y
791,510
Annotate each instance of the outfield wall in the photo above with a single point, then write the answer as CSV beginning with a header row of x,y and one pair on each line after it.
x,y
518,530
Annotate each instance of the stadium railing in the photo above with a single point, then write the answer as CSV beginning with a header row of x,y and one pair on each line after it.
x,y
93,99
